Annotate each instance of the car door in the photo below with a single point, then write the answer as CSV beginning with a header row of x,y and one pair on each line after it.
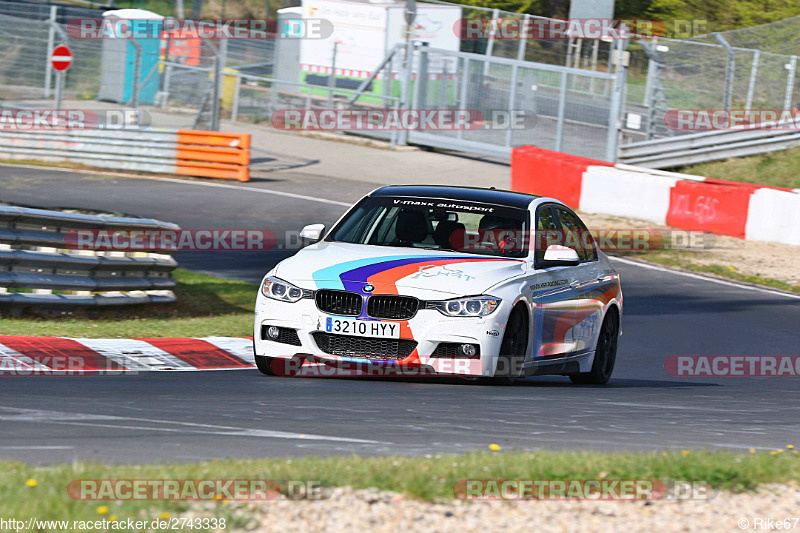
x,y
585,279
554,298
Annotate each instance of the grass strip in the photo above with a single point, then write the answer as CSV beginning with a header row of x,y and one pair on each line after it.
x,y
40,491
683,259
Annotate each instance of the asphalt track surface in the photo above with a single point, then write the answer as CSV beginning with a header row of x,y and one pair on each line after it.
x,y
161,416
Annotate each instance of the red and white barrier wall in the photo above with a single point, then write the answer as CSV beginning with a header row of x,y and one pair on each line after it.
x,y
744,210
44,355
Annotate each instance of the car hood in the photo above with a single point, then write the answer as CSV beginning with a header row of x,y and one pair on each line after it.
x,y
416,272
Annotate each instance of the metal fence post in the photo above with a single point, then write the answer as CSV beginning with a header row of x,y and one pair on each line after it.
x,y
752,85
512,97
235,108
617,95
462,92
332,77
50,45
167,76
730,66
421,87
648,86
219,66
526,21
562,106
406,87
137,67
787,100
445,85
490,44
59,88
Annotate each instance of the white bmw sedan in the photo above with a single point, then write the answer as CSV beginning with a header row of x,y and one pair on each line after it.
x,y
448,280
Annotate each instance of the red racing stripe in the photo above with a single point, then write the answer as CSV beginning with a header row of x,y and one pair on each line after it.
x,y
198,353
60,354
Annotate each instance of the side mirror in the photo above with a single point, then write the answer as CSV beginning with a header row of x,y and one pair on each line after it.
x,y
312,233
557,255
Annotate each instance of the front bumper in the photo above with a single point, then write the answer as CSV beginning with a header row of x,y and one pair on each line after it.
x,y
428,328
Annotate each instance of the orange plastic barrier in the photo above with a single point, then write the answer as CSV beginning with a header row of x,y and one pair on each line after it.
x,y
213,154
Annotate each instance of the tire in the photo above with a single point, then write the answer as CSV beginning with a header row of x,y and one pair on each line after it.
x,y
264,364
512,349
277,366
605,355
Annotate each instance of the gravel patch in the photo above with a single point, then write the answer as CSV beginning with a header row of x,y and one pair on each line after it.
x,y
754,258
381,511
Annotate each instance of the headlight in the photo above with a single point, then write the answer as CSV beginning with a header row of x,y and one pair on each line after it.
x,y
473,306
277,289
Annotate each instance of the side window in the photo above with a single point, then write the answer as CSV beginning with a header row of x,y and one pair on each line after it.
x,y
546,231
587,240
572,234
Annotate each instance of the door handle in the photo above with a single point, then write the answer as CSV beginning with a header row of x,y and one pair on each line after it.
x,y
574,283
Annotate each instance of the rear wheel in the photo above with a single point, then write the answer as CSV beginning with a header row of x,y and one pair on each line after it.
x,y
512,349
606,354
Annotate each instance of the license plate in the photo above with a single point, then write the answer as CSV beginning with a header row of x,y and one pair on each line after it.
x,y
362,328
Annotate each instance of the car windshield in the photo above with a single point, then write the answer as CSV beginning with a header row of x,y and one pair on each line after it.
x,y
436,224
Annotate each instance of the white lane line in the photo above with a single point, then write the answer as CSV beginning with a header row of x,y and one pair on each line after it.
x,y
16,414
37,447
233,432
705,278
187,182
253,189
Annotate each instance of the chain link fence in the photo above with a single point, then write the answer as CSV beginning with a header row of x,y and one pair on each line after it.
x,y
178,76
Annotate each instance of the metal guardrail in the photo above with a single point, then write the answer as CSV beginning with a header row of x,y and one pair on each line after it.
x,y
164,151
709,146
36,260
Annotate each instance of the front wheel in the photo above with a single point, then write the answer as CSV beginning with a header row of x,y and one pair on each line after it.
x,y
512,349
605,355
264,364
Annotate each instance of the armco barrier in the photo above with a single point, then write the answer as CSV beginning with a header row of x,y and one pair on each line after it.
x,y
748,211
210,154
37,268
715,145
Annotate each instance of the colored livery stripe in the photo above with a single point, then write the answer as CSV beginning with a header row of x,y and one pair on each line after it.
x,y
384,271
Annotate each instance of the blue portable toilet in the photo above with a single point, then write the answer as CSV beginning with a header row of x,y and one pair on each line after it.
x,y
118,72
